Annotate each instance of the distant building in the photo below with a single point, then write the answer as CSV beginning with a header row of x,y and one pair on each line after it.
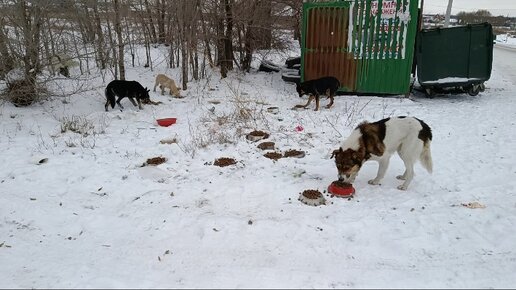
x,y
437,20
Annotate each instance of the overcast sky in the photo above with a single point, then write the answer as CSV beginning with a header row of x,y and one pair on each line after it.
x,y
496,7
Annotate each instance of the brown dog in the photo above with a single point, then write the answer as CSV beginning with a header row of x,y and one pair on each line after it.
x,y
165,82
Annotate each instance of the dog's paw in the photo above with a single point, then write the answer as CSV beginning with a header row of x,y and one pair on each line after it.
x,y
402,187
400,177
373,182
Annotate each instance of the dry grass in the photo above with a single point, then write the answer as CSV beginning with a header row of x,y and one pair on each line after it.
x,y
225,126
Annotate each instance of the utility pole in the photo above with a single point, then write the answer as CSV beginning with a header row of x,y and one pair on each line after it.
x,y
448,12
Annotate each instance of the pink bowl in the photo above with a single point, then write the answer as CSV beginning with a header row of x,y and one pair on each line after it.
x,y
166,121
341,191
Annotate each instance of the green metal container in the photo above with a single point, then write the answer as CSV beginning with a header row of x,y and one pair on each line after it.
x,y
455,57
368,45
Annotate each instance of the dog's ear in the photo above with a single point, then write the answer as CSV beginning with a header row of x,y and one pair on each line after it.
x,y
299,90
371,139
147,89
335,152
373,144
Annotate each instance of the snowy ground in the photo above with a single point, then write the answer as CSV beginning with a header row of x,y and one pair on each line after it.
x,y
92,217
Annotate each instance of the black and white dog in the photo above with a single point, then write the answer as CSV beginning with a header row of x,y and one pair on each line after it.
x,y
125,89
408,136
314,88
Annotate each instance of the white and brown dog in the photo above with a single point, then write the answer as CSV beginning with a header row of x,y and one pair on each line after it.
x,y
409,136
165,82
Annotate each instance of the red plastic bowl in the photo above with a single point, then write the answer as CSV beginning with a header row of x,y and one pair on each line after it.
x,y
341,191
166,121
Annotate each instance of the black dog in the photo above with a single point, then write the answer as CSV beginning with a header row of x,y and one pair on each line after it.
x,y
122,89
314,88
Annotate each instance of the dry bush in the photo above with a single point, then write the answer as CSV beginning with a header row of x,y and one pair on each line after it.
x,y
23,93
77,125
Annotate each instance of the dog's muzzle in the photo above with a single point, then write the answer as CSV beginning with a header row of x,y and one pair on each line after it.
x,y
348,178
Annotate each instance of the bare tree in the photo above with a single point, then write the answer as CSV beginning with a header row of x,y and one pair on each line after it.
x,y
86,26
31,20
478,16
291,12
146,34
254,22
185,25
205,35
118,29
150,17
7,62
161,9
227,60
102,58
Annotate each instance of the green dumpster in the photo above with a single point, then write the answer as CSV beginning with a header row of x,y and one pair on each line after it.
x,y
455,58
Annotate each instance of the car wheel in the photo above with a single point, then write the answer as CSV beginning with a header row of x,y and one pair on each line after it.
x,y
482,87
473,90
429,92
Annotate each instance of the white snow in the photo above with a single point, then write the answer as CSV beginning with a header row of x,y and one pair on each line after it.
x,y
506,39
451,80
92,217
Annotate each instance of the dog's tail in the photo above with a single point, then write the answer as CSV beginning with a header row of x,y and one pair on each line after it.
x,y
426,157
110,97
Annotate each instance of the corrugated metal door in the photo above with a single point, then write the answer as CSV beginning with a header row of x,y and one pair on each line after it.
x,y
326,46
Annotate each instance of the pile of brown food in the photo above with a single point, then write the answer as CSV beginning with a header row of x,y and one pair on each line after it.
x,y
273,155
339,183
155,161
257,133
294,153
266,145
311,194
224,161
